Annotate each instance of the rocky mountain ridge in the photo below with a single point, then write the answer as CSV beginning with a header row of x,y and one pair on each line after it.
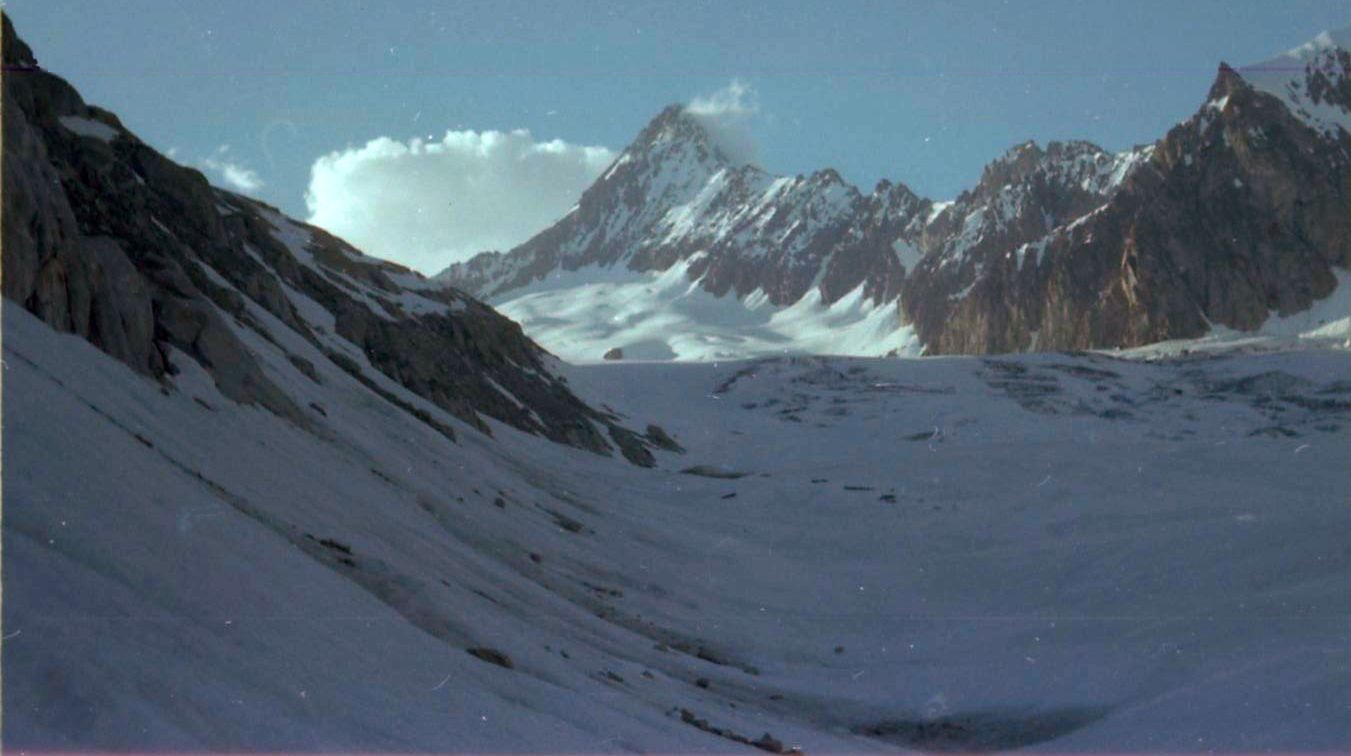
x,y
1236,214
1066,246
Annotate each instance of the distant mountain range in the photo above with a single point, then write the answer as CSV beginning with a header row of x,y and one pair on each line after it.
x,y
1237,215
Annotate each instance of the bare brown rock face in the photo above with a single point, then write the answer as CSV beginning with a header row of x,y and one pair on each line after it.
x,y
105,238
1237,213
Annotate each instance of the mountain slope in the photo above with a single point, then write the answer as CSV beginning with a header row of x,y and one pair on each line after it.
x,y
220,536
961,276
186,573
106,238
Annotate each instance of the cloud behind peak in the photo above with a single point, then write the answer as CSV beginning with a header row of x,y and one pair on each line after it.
x,y
429,203
726,115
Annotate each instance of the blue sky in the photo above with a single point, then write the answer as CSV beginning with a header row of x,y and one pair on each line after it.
x,y
921,92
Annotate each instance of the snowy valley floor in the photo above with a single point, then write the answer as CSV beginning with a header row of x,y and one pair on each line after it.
x,y
1051,552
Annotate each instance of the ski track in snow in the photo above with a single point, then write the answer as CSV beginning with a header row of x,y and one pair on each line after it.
x,y
1139,552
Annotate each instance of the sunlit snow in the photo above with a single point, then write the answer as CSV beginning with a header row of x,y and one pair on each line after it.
x,y
579,315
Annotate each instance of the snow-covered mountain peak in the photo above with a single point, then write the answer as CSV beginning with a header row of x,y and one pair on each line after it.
x,y
1313,80
672,140
1326,40
675,142
675,126
675,194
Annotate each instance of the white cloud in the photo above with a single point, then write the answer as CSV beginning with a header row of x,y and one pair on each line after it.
x,y
426,204
726,114
232,172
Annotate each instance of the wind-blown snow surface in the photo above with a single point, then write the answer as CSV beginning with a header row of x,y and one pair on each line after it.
x,y
579,315
1054,552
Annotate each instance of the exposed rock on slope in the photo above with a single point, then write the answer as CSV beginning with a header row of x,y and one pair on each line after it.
x,y
1238,213
106,238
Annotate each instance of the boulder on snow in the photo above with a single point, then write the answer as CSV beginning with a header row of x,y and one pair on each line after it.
x,y
492,656
713,471
663,440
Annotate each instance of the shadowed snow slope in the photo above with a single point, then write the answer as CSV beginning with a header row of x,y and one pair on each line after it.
x,y
1050,552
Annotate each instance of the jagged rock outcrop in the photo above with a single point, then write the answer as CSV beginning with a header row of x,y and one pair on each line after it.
x,y
107,239
986,234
